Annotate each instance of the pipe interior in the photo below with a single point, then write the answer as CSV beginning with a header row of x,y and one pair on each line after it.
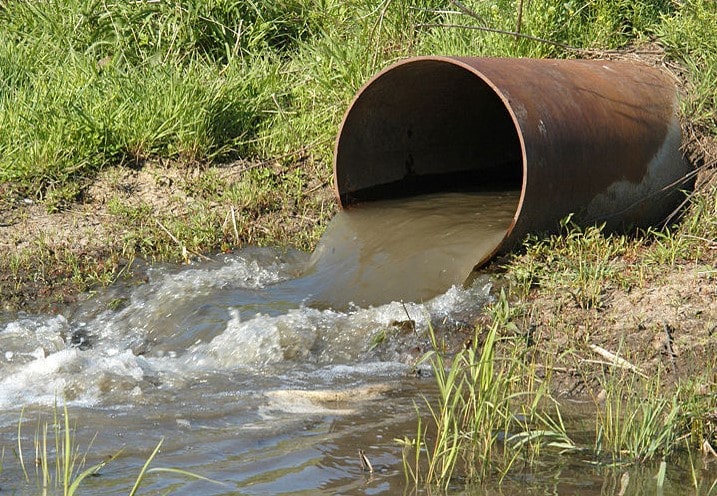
x,y
424,127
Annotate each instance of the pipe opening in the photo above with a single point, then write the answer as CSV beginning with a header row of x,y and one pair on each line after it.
x,y
424,127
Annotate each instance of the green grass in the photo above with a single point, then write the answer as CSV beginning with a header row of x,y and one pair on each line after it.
x,y
491,413
565,27
583,264
690,35
640,419
637,420
76,120
580,264
91,84
473,409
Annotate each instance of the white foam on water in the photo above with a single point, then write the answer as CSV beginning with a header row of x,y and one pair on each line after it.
x,y
23,339
334,342
252,343
78,377
242,271
38,381
170,295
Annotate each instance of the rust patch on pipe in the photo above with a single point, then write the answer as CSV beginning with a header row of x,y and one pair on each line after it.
x,y
599,139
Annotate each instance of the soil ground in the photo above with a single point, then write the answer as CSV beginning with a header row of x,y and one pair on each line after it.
x,y
666,325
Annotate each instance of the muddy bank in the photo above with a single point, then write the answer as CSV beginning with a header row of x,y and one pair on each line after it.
x,y
668,324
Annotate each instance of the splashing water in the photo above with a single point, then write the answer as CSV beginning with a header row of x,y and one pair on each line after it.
x,y
262,339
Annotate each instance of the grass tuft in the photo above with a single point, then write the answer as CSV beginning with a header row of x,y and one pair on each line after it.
x,y
489,414
59,466
580,264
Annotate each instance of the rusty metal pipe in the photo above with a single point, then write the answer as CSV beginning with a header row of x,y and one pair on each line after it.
x,y
598,139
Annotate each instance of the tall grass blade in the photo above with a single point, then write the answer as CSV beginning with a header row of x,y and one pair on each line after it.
x,y
68,462
72,489
185,473
143,471
19,446
661,475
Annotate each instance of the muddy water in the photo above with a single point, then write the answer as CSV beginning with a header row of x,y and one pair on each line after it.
x,y
261,369
411,249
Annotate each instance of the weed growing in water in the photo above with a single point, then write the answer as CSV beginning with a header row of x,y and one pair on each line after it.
x,y
484,419
637,420
464,426
66,473
495,412
60,468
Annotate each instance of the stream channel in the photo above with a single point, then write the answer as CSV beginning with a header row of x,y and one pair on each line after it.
x,y
265,370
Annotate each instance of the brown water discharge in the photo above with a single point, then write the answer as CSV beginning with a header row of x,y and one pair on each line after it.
x,y
409,249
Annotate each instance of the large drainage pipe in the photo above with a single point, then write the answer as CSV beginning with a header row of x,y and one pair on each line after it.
x,y
598,139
